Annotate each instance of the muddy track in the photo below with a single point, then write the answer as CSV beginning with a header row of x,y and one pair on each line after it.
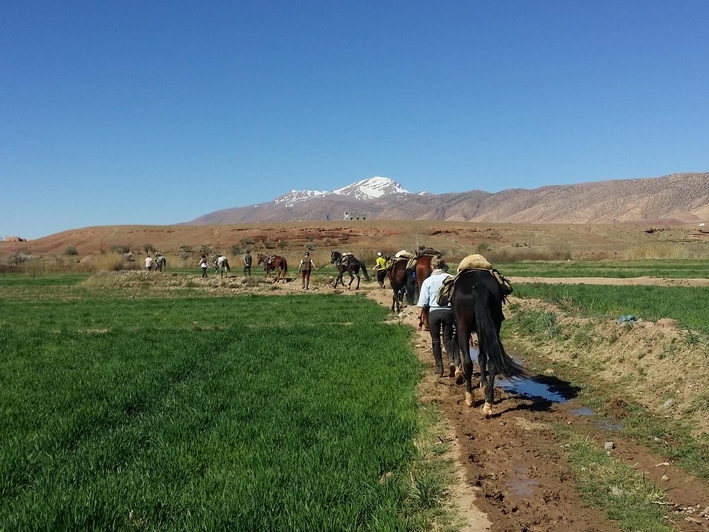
x,y
515,466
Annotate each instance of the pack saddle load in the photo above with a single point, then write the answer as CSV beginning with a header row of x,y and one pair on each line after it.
x,y
472,262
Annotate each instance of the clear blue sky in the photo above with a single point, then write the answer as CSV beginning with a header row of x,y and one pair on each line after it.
x,y
137,112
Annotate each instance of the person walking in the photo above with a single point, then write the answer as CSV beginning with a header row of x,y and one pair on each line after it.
x,y
439,318
247,263
305,266
204,264
381,267
148,262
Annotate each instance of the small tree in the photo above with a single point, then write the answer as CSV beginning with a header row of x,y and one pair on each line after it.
x,y
186,249
71,250
148,248
235,250
282,244
483,247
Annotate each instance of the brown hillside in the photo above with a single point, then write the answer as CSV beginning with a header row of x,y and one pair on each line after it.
x,y
455,238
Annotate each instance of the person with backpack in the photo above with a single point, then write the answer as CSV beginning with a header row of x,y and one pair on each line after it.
x,y
247,263
440,317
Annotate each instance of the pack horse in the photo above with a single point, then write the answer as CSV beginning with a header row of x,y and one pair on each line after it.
x,y
477,298
221,265
274,263
347,262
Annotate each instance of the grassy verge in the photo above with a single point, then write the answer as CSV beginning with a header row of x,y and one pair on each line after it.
x,y
239,413
605,482
685,268
609,484
688,305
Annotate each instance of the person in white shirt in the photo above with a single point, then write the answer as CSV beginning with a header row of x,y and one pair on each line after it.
x,y
439,318
148,262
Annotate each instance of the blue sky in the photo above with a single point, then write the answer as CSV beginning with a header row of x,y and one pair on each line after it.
x,y
137,112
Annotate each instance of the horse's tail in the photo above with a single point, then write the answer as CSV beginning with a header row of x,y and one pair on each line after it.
x,y
228,269
489,338
285,265
364,270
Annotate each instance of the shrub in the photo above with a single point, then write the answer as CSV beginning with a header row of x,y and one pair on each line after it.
x,y
109,262
186,249
282,244
235,250
148,248
119,248
483,247
71,250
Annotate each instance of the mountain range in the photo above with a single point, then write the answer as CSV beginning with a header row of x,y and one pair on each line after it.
x,y
676,198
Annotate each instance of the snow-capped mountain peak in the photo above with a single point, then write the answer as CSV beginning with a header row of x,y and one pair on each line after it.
x,y
372,188
366,189
298,195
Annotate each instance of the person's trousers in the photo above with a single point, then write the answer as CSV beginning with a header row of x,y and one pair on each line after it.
x,y
441,319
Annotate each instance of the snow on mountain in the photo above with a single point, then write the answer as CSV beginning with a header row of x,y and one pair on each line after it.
x,y
298,195
372,188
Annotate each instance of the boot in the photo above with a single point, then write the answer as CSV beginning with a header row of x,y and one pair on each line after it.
x,y
438,358
452,362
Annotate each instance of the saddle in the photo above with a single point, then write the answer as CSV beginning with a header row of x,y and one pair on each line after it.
x,y
423,252
474,262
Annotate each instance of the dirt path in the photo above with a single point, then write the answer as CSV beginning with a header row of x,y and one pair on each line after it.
x,y
514,476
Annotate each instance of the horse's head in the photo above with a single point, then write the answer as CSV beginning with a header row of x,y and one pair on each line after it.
x,y
334,255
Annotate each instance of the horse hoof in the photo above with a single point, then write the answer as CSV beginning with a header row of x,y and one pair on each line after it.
x,y
451,370
487,409
469,399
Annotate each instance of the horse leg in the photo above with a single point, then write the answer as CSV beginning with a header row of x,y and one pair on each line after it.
x,y
351,279
464,344
489,393
357,281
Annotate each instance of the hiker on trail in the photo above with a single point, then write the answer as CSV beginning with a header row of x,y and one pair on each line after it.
x,y
381,268
305,266
439,318
204,264
247,263
148,262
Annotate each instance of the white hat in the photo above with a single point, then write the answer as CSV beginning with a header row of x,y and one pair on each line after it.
x,y
379,253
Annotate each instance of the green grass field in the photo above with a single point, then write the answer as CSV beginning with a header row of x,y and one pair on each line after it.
x,y
194,413
672,268
688,305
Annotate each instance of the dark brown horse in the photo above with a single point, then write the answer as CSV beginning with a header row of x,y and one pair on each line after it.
x,y
477,307
273,262
350,264
402,283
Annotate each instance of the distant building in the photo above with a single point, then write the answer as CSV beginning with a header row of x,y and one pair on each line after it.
x,y
355,216
15,239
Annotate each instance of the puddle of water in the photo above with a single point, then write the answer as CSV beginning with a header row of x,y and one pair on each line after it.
x,y
582,411
522,484
531,388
